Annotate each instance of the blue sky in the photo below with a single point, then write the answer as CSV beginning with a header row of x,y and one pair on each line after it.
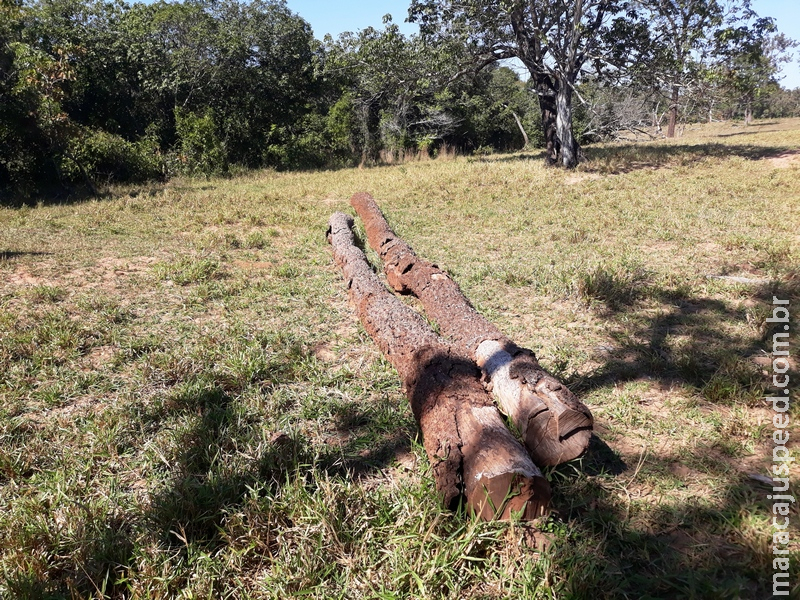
x,y
350,15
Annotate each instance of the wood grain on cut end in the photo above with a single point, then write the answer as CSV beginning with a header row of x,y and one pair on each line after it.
x,y
505,497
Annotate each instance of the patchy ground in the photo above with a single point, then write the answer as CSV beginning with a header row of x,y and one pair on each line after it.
x,y
188,405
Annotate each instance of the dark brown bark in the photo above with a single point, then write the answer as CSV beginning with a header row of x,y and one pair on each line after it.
x,y
470,449
673,111
547,105
555,426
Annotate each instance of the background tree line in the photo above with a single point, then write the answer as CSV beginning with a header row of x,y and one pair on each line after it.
x,y
94,92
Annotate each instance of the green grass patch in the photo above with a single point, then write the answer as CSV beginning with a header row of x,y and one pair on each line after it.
x,y
188,407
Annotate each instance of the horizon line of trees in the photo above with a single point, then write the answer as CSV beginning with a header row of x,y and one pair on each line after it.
x,y
93,92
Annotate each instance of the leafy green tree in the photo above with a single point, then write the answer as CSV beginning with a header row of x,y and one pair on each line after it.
x,y
748,59
393,85
22,144
554,39
495,109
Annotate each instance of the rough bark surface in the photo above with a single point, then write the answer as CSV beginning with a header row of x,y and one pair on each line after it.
x,y
547,102
673,111
470,449
569,145
555,426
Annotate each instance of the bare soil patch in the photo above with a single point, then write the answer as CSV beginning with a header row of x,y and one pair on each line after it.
x,y
785,160
22,277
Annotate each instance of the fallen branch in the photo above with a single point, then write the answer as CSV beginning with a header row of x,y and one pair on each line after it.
x,y
470,449
554,425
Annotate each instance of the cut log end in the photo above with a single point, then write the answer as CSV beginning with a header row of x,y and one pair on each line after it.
x,y
547,449
508,496
554,425
559,434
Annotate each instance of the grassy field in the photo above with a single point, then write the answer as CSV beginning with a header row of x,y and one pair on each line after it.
x,y
189,408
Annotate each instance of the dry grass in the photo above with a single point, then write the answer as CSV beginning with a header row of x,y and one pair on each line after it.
x,y
189,408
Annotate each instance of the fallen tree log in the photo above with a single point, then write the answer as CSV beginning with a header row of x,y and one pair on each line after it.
x,y
470,449
554,425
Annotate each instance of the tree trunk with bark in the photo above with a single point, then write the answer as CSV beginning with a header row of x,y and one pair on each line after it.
x,y
569,145
546,94
673,111
547,105
470,449
521,129
554,425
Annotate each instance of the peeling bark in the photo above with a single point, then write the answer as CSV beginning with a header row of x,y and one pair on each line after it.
x,y
470,449
554,425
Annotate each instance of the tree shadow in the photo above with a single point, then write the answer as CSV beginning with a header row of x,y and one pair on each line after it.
x,y
689,547
207,481
625,158
686,548
606,554
50,196
751,132
524,156
685,342
12,254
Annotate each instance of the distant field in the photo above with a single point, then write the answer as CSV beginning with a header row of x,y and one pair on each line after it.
x,y
189,407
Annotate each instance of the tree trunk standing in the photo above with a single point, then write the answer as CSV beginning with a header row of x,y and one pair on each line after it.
x,y
554,425
546,94
748,113
569,145
673,111
470,449
521,128
547,104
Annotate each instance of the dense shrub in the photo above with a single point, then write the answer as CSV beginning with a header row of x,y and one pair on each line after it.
x,y
105,157
199,150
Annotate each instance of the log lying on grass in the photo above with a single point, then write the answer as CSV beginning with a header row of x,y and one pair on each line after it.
x,y
470,449
554,425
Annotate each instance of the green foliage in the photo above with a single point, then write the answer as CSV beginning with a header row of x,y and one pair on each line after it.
x,y
200,150
487,110
748,61
342,128
110,158
94,92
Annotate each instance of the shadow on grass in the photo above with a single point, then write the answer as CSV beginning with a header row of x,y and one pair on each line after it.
x,y
694,548
621,542
57,195
751,131
52,195
208,479
686,341
205,489
12,254
624,158
689,549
